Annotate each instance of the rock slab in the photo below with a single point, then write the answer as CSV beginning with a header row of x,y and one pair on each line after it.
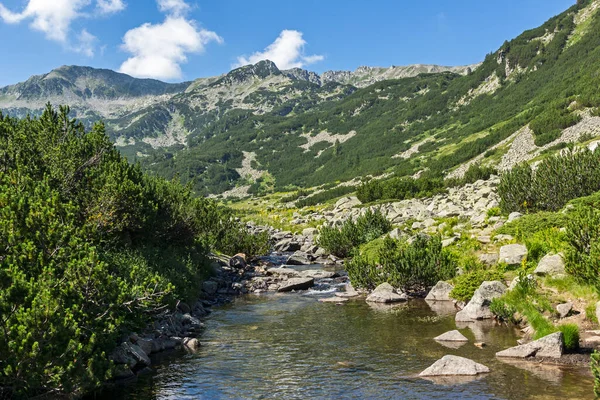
x,y
479,306
385,293
452,336
440,292
550,346
552,265
513,254
455,366
296,284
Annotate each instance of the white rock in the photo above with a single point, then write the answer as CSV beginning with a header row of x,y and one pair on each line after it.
x,y
454,366
440,292
513,254
552,265
550,346
479,306
385,293
452,336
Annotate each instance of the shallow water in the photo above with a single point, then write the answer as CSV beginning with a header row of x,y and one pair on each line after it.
x,y
290,346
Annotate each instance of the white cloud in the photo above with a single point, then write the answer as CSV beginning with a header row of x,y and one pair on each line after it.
x,y
287,51
51,17
173,7
158,50
85,43
110,6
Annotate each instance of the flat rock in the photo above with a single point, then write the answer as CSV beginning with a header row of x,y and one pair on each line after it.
x,y
550,346
299,258
385,293
513,254
296,284
479,306
552,265
455,366
348,293
289,272
440,292
317,274
452,336
489,258
564,309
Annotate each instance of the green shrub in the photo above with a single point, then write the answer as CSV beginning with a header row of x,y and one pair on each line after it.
x,y
325,196
531,224
595,367
465,285
502,310
583,251
342,242
399,189
494,212
544,242
408,266
570,335
556,181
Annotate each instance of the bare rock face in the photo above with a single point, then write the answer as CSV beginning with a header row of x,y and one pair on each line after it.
x,y
550,346
440,292
455,366
385,293
552,265
479,306
296,284
513,254
452,336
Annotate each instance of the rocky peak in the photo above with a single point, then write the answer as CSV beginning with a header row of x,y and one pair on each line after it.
x,y
261,70
303,75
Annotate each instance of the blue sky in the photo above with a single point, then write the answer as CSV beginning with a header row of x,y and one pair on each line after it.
x,y
177,40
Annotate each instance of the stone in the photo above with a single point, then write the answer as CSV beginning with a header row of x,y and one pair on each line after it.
x,y
454,366
318,274
440,292
552,265
598,311
449,242
349,292
336,300
299,258
238,261
564,309
288,272
296,284
385,293
530,278
347,203
514,216
122,371
210,287
131,355
479,306
145,345
452,336
287,245
190,344
489,259
310,232
513,254
503,238
550,346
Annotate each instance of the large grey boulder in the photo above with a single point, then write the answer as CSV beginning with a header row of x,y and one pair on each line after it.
x,y
455,366
452,336
550,346
287,245
479,306
130,354
348,292
385,293
564,309
513,254
296,284
318,274
514,216
282,271
299,258
552,265
440,292
346,203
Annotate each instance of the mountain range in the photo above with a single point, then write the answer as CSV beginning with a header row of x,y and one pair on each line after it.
x,y
260,128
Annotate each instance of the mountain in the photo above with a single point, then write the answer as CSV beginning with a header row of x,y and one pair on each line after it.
x,y
259,128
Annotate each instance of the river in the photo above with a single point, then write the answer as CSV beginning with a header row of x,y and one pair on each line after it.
x,y
290,346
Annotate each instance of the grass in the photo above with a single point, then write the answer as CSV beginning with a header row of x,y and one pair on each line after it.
x,y
570,335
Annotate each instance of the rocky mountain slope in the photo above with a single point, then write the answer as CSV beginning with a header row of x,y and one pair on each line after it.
x,y
258,128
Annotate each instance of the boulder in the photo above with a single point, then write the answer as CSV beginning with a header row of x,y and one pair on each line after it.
x,y
564,309
489,259
299,258
385,293
310,232
349,292
479,306
131,355
455,366
238,261
449,241
288,272
296,284
550,346
145,345
552,265
513,254
190,344
318,274
514,216
210,287
452,336
440,292
347,203
287,245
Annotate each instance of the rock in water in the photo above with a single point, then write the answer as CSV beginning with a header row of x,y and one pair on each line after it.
x,y
513,254
296,284
452,336
550,346
455,366
479,306
299,258
440,292
552,265
385,293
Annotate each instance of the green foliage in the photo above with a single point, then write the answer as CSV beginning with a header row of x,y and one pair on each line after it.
x,y
91,247
556,181
342,242
494,212
474,173
595,367
530,224
399,189
414,266
570,336
583,251
544,242
295,196
548,126
502,310
325,196
466,284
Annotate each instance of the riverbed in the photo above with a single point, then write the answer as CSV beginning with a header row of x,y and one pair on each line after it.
x,y
290,346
